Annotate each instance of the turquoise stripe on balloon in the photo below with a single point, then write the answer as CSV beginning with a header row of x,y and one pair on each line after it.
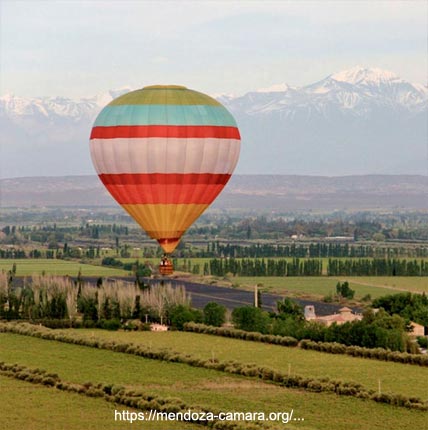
x,y
164,115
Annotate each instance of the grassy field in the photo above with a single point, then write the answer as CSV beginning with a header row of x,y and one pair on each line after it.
x,y
407,283
395,377
27,267
205,387
318,287
50,409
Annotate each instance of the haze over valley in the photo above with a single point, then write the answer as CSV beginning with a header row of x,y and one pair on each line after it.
x,y
259,193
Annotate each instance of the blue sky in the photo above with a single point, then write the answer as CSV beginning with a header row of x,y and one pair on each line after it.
x,y
80,48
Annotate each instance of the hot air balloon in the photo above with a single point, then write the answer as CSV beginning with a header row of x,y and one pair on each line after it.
x,y
164,153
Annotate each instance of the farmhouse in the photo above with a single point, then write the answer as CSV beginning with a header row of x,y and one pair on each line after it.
x,y
158,327
418,329
345,315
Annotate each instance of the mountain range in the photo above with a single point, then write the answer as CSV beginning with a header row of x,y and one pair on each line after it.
x,y
358,121
247,193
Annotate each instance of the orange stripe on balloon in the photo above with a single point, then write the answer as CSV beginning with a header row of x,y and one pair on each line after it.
x,y
181,131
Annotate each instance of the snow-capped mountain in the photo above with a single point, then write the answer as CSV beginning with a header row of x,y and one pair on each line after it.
x,y
56,107
357,121
357,90
18,107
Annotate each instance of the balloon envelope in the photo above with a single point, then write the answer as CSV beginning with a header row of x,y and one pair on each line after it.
x,y
165,153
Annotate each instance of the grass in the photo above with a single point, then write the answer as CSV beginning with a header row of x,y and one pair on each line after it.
x,y
205,387
395,377
407,283
318,287
47,408
28,267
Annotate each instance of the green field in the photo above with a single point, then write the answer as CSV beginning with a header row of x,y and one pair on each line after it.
x,y
50,409
204,387
395,377
395,283
319,287
28,267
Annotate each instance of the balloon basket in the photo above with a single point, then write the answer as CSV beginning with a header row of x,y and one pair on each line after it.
x,y
166,267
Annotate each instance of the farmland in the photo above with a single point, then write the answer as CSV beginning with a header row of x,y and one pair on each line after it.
x,y
201,386
318,287
301,362
45,406
28,267
78,241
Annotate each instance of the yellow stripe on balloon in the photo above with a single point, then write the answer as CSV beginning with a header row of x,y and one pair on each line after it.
x,y
163,221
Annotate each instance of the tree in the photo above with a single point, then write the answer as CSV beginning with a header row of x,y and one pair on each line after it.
x,y
137,308
409,306
379,237
214,314
287,308
181,314
249,318
344,290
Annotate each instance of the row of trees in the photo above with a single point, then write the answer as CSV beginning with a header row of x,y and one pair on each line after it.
x,y
41,233
359,226
262,267
65,252
12,253
52,297
109,305
313,267
377,267
310,250
227,250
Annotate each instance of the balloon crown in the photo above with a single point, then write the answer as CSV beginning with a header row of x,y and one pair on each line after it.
x,y
163,87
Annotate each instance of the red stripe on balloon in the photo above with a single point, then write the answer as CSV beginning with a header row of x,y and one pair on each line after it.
x,y
163,178
159,188
183,131
161,194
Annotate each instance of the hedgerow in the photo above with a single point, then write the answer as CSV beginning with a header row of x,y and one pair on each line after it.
x,y
119,395
231,366
371,353
328,347
240,334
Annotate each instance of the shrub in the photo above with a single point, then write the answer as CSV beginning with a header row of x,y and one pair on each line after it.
x,y
249,318
214,314
48,381
370,353
181,314
113,324
344,290
422,341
